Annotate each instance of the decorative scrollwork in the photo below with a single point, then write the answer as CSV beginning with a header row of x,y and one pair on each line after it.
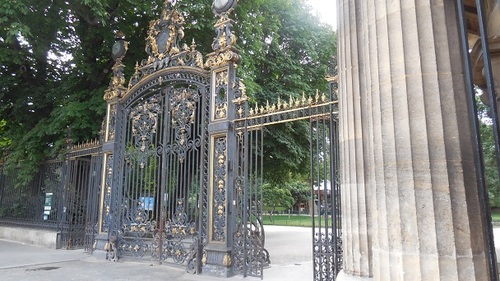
x,y
240,97
108,179
183,108
177,238
144,125
327,256
111,123
223,44
219,182
249,253
165,33
163,45
116,85
220,101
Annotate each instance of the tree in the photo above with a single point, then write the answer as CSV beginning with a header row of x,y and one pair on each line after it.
x,y
287,56
489,152
301,193
55,65
276,196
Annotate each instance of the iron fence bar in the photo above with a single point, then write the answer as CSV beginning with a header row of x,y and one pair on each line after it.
x,y
479,161
162,192
246,184
203,181
489,78
333,180
260,203
92,202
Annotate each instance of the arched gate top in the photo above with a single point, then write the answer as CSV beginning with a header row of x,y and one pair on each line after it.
x,y
171,75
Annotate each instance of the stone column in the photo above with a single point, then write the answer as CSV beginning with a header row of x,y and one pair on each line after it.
x,y
356,146
408,174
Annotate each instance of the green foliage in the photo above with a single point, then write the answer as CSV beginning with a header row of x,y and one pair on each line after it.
x,y
300,191
277,196
489,154
490,165
4,141
285,53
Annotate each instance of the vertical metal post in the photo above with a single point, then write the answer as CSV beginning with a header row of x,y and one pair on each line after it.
x,y
473,119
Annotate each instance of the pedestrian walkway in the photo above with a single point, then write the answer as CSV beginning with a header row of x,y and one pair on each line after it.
x,y
289,247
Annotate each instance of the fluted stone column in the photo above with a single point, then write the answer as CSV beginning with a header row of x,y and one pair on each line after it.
x,y
356,145
410,201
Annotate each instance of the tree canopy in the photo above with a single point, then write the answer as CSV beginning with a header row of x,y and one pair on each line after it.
x,y
56,63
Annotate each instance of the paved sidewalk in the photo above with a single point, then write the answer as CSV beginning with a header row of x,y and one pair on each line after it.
x,y
290,249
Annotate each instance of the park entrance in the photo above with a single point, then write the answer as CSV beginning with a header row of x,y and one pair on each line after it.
x,y
182,158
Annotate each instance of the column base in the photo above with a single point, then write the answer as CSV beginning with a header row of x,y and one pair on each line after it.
x,y
217,262
342,276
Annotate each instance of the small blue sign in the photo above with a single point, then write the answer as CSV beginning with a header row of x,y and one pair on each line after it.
x,y
147,203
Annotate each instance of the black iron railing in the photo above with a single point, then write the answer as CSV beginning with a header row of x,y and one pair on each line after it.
x,y
475,119
63,197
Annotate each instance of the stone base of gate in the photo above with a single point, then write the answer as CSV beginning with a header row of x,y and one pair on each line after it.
x,y
217,262
342,276
100,241
37,237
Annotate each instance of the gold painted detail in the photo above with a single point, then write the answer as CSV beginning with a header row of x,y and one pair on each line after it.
x,y
292,103
85,145
165,33
220,99
204,258
240,97
116,86
227,260
144,119
108,179
219,190
111,123
318,107
164,47
183,107
223,44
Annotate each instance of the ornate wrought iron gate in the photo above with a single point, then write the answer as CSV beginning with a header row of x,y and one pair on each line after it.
x,y
155,196
162,166
322,112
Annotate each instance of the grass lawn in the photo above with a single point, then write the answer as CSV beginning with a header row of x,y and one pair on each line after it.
x,y
495,215
305,220
290,220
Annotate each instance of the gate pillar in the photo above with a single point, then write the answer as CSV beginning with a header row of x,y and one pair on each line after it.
x,y
223,150
112,95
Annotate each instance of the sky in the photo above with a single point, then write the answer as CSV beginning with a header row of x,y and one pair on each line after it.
x,y
326,9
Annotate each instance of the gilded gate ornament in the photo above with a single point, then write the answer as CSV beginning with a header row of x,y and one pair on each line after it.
x,y
164,45
219,184
183,107
165,33
144,125
220,98
225,39
116,86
